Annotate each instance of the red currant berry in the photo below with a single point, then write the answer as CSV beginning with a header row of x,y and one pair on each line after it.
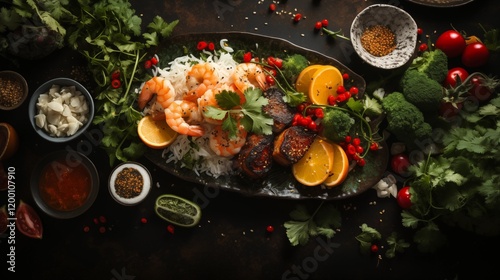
x,y
345,76
269,229
297,17
324,22
318,25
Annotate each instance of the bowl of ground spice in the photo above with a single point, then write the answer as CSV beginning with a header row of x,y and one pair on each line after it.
x,y
129,183
384,36
13,90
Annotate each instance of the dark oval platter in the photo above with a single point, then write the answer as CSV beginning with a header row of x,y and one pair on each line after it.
x,y
280,183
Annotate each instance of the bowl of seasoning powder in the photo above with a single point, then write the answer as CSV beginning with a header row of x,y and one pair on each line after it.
x,y
129,183
384,36
13,90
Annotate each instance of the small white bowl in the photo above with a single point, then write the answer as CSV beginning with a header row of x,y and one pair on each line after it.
x,y
129,199
399,22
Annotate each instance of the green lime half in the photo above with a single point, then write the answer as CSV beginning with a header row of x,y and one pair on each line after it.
x,y
177,210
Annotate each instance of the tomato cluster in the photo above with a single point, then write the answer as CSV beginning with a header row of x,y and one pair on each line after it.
x,y
354,149
342,95
473,52
311,118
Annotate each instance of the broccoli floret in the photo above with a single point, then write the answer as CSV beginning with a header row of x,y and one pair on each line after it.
x,y
421,91
405,121
293,65
336,124
434,64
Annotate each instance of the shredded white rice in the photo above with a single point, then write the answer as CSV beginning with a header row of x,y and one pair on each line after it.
x,y
207,161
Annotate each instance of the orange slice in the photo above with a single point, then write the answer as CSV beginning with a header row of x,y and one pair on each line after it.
x,y
340,167
304,79
325,82
316,165
155,134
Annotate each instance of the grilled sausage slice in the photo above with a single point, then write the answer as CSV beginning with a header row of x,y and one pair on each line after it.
x,y
291,145
255,158
278,110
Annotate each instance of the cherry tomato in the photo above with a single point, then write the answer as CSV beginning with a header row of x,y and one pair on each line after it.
x,y
278,62
448,110
456,74
270,80
400,163
423,47
404,197
479,90
475,55
451,42
324,22
374,248
297,17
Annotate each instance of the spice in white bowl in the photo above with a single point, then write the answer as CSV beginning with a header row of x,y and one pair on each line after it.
x,y
129,183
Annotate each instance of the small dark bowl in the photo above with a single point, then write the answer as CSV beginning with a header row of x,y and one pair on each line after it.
x,y
57,165
14,79
44,88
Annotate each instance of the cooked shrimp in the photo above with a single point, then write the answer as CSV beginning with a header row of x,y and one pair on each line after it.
x,y
165,93
223,145
179,115
249,75
199,79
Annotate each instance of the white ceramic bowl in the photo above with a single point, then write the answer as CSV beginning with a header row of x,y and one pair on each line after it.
x,y
121,186
399,22
44,88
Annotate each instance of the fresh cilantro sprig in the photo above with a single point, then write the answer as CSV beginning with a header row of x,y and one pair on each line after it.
x,y
108,35
460,186
367,237
248,114
303,225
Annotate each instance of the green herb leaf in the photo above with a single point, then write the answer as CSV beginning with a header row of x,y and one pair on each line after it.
x,y
367,237
395,245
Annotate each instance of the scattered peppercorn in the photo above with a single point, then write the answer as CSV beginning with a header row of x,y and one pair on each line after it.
x,y
129,183
378,40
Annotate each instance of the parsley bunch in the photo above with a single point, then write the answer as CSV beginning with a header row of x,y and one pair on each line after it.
x,y
230,110
108,34
460,186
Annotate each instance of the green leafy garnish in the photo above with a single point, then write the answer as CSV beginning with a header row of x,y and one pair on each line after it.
x,y
108,34
395,245
367,237
304,225
458,187
249,114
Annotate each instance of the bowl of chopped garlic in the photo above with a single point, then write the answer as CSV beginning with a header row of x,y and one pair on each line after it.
x,y
61,109
384,36
13,90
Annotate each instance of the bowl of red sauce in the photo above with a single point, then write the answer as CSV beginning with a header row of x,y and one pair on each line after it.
x,y
64,184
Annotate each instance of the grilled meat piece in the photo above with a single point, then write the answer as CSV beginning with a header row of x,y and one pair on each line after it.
x,y
291,145
255,158
278,110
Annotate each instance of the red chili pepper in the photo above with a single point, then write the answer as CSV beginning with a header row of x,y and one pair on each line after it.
x,y
211,46
247,57
147,64
154,60
201,45
116,83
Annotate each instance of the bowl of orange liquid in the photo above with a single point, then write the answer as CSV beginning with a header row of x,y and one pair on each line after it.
x,y
64,184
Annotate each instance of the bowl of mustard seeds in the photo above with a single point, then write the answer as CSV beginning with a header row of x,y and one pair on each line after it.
x,y
384,36
129,183
13,90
